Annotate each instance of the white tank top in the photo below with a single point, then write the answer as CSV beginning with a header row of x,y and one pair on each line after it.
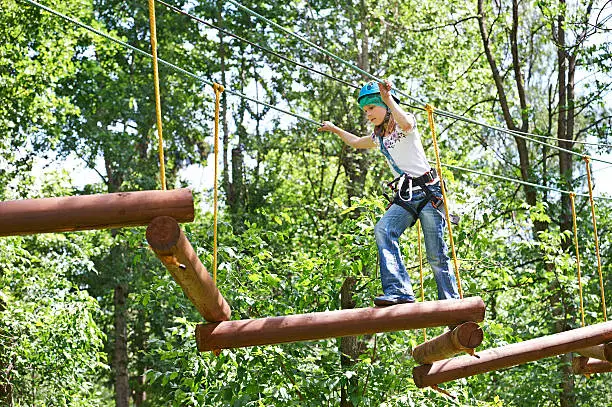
x,y
406,150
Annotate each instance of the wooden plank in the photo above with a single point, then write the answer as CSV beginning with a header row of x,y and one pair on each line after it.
x,y
176,253
463,338
511,355
588,366
121,209
332,324
602,352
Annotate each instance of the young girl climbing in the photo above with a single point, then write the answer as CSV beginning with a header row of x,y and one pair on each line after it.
x,y
418,194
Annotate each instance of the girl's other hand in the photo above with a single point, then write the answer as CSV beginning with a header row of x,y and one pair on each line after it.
x,y
328,126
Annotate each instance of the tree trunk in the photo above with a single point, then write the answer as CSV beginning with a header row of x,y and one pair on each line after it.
x,y
120,355
237,180
565,79
349,346
6,387
225,142
354,162
565,159
235,187
140,395
120,348
521,144
139,344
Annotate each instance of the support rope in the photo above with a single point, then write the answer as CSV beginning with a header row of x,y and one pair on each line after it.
x,y
218,90
205,81
572,196
332,77
369,75
434,138
601,284
158,116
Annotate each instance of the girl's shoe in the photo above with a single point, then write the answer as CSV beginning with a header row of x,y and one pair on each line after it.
x,y
386,300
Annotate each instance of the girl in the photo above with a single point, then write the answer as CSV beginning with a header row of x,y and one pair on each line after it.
x,y
418,194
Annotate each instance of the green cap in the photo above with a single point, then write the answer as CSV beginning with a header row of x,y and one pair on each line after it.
x,y
373,99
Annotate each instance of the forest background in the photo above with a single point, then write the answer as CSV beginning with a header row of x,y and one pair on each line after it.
x,y
93,319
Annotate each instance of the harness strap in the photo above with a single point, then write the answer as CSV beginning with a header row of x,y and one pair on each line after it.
x,y
421,181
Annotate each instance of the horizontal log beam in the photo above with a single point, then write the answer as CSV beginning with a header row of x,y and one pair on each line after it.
x,y
587,366
464,338
333,324
602,352
176,253
121,209
511,355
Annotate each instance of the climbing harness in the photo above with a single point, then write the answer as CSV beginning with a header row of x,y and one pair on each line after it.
x,y
404,185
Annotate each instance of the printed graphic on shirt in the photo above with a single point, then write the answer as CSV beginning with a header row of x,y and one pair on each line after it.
x,y
391,139
406,152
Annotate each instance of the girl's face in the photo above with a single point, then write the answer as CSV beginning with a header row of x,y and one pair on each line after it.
x,y
375,114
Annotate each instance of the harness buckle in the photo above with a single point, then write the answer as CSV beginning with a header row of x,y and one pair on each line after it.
x,y
436,201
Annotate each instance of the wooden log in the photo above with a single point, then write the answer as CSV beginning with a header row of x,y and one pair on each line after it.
x,y
84,212
587,366
332,324
602,352
511,355
174,250
464,338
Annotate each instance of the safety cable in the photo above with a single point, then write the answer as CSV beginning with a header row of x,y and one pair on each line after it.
x,y
518,181
168,64
192,75
276,54
332,77
416,100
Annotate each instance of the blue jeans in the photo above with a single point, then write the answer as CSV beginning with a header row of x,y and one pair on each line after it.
x,y
395,278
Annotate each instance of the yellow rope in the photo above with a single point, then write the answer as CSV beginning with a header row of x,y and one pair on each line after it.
x,y
572,196
587,160
432,126
418,227
160,143
218,90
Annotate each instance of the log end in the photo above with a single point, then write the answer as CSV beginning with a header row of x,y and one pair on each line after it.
x,y
419,375
469,335
163,233
202,334
186,195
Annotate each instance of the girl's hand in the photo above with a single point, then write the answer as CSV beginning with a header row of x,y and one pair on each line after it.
x,y
385,91
328,126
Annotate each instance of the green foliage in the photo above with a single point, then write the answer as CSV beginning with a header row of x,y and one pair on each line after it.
x,y
51,343
299,208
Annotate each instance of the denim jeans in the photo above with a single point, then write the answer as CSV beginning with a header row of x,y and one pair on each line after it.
x,y
395,278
